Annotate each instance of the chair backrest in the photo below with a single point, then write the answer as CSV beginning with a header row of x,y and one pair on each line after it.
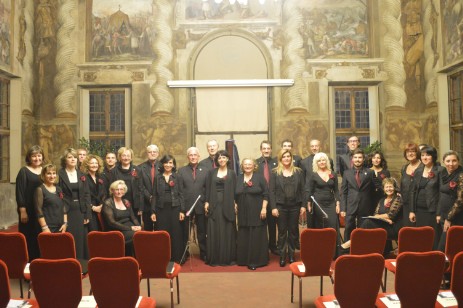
x,y
115,281
152,251
109,244
15,256
317,250
56,245
454,242
418,278
57,283
416,239
366,241
5,291
457,278
358,279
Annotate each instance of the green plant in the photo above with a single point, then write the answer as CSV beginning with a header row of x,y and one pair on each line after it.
x,y
375,146
95,147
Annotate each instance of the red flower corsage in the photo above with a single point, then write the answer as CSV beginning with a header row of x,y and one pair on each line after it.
x,y
83,178
452,184
249,183
412,174
387,204
430,175
134,173
331,176
225,177
61,196
171,183
100,181
127,203
382,176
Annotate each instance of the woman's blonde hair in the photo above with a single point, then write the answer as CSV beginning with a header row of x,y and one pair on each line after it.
x,y
319,156
86,163
114,185
253,162
122,150
279,169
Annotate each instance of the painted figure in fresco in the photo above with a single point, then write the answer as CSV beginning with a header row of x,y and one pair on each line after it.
x,y
414,41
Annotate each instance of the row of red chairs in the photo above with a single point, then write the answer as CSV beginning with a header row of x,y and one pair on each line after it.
x,y
152,251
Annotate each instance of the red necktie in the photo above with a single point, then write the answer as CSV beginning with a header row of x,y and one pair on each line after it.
x,y
194,172
213,164
266,172
357,177
153,172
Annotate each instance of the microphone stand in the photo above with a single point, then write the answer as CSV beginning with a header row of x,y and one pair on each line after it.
x,y
325,216
187,247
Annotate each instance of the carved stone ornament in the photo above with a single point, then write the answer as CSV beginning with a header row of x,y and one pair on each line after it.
x,y
138,76
368,73
320,74
89,76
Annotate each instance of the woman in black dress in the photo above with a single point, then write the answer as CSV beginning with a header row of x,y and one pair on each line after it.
x,y
412,155
323,186
448,193
251,197
221,211
125,170
287,202
27,180
169,208
49,205
92,166
378,164
74,185
425,192
119,217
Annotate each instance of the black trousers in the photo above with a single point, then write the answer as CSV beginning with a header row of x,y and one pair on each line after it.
x,y
148,224
272,229
351,223
288,229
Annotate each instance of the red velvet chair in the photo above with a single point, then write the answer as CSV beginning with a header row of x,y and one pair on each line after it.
x,y
15,257
115,282
110,244
317,250
57,283
456,285
453,245
417,280
357,281
366,241
411,239
152,251
5,291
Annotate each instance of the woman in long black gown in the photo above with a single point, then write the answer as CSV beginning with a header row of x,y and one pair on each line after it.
x,y
448,192
27,180
412,155
221,211
169,207
251,197
323,186
49,204
119,217
378,164
74,185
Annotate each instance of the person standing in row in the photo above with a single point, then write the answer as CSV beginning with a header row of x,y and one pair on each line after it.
x,y
49,205
356,192
345,161
192,181
265,164
148,172
288,146
251,197
287,202
169,208
92,166
221,211
378,164
74,185
412,155
27,180
209,162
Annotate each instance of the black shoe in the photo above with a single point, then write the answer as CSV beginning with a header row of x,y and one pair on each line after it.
x,y
297,246
343,251
252,268
291,259
282,262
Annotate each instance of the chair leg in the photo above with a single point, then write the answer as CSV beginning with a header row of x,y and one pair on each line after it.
x,y
321,285
385,280
300,292
21,287
292,287
30,290
178,291
148,286
91,292
171,293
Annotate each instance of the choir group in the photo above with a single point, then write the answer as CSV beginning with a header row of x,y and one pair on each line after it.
x,y
237,215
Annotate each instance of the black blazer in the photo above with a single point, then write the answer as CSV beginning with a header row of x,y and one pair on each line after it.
x,y
84,192
272,163
358,199
207,163
147,188
431,189
176,193
276,190
344,163
192,188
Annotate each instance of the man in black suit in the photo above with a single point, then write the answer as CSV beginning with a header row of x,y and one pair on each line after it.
x,y
345,161
288,145
265,165
192,181
212,148
148,171
356,193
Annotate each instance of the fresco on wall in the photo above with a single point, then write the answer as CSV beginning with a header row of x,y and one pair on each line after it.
x,y
335,28
120,32
238,10
6,31
452,26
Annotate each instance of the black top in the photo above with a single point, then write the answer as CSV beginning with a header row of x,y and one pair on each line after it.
x,y
131,178
121,220
26,184
448,191
50,206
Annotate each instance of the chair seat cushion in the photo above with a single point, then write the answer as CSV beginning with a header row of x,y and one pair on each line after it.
x,y
323,299
389,266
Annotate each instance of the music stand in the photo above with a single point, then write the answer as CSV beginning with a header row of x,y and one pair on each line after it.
x,y
187,247
325,215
